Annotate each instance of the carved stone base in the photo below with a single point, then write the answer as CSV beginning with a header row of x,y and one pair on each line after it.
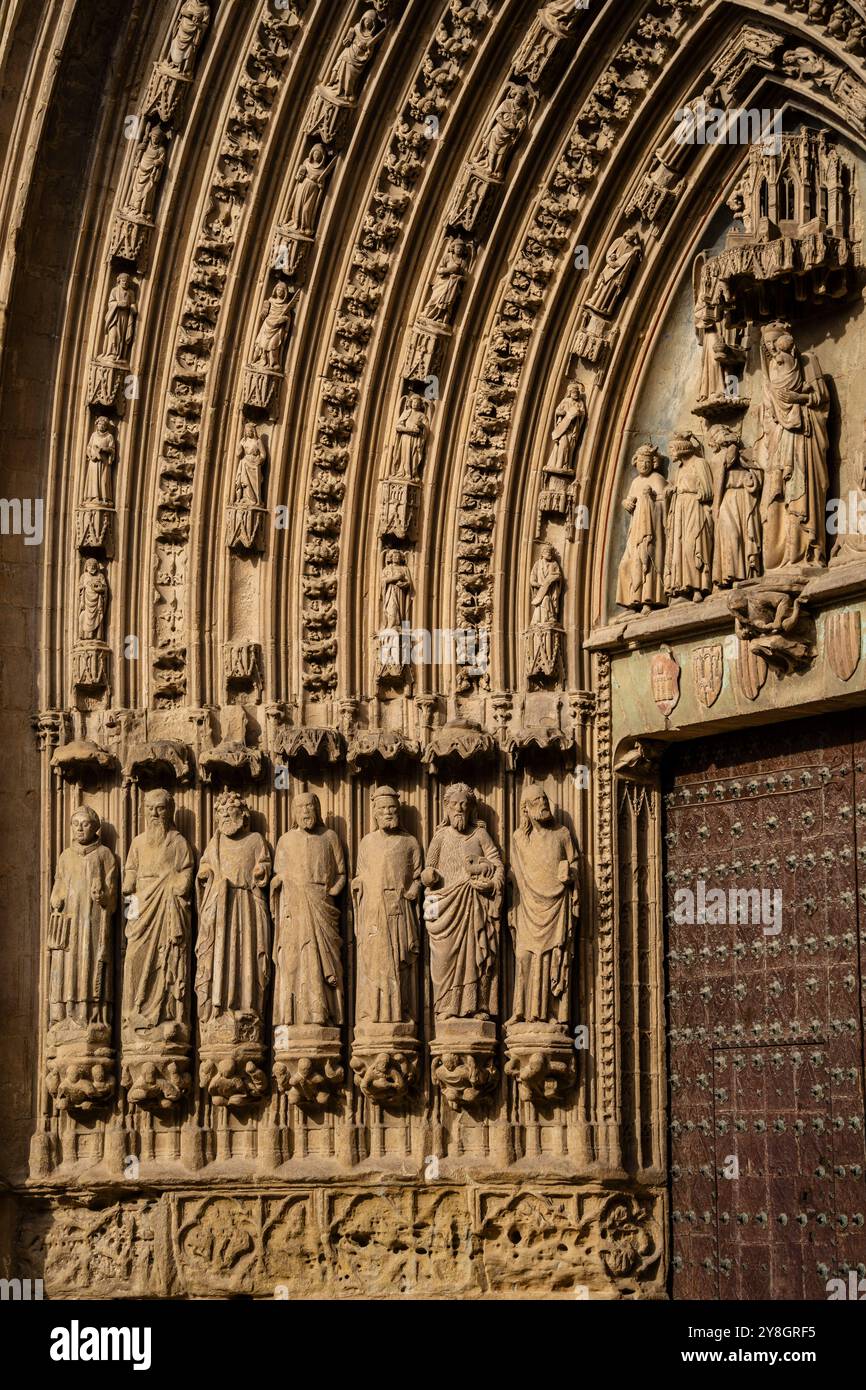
x,y
463,1063
261,388
130,239
385,1061
307,1065
90,666
232,1075
80,1069
245,528
94,528
157,1080
542,1061
105,384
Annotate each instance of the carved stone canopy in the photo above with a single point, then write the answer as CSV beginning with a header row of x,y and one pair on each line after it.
x,y
461,739
82,761
371,747
230,762
539,738
159,763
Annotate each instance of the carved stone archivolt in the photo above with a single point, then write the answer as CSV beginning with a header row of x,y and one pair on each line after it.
x,y
350,852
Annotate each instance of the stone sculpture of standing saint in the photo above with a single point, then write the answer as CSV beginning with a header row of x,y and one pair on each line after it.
x,y
385,893
101,455
544,868
794,447
689,536
233,947
640,576
83,900
464,873
309,876
158,878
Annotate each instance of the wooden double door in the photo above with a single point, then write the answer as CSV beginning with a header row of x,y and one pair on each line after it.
x,y
765,920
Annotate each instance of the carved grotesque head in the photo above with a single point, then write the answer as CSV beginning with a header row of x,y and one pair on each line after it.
x,y
306,811
84,825
459,806
386,809
232,814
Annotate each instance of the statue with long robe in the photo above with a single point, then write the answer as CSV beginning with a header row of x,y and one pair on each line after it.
x,y
187,35
407,451
100,458
689,535
83,900
568,422
309,876
545,907
737,541
385,893
147,174
92,601
157,880
794,448
233,946
119,323
640,579
309,187
276,318
464,875
251,458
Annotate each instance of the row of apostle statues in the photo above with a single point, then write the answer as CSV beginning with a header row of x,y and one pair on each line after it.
x,y
729,513
241,890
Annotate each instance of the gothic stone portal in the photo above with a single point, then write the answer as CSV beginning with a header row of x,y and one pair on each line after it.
x,y
765,1031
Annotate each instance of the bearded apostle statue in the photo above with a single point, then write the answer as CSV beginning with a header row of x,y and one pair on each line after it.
x,y
464,873
232,953
545,907
83,900
157,885
385,893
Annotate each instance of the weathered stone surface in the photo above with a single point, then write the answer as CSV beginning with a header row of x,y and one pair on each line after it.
x,y
366,417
